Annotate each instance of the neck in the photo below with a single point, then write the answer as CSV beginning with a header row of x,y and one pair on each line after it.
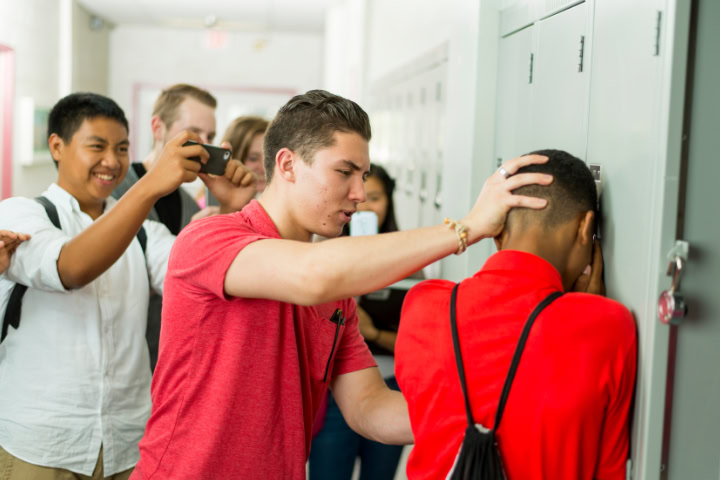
x,y
91,207
275,203
546,244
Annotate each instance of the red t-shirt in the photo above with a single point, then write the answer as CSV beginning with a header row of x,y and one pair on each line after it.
x,y
238,380
567,413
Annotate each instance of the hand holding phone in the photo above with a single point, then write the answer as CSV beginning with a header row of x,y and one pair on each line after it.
x,y
364,223
217,162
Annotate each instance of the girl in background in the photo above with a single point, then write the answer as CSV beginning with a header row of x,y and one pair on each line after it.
x,y
245,136
335,446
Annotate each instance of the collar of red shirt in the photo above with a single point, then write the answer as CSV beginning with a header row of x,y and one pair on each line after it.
x,y
525,264
260,220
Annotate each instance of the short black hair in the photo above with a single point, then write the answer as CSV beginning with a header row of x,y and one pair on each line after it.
x,y
71,111
571,193
308,122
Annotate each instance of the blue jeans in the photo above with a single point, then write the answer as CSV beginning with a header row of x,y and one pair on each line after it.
x,y
335,447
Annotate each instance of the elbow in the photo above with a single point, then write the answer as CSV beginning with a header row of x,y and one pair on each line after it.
x,y
74,279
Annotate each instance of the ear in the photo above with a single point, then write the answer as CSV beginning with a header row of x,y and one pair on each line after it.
x,y
56,146
586,228
158,129
285,161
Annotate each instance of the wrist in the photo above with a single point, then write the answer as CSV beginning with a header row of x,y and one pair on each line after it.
x,y
145,190
474,232
377,336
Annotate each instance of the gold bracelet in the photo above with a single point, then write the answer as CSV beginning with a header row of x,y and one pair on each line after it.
x,y
461,232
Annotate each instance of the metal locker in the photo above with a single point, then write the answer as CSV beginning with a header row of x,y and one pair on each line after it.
x,y
560,82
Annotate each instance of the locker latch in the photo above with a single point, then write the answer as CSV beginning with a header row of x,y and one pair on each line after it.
x,y
671,304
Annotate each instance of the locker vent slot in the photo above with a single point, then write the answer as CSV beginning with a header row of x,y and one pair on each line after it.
x,y
515,17
551,7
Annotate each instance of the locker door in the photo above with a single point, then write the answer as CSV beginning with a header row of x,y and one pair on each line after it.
x,y
512,137
627,136
410,155
695,429
560,82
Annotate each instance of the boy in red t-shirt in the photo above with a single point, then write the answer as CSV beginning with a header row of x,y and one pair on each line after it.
x,y
567,413
258,321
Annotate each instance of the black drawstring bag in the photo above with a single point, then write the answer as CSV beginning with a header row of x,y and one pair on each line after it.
x,y
479,455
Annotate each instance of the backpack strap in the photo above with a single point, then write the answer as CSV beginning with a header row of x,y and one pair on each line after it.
x,y
513,365
14,306
518,354
458,353
142,238
50,210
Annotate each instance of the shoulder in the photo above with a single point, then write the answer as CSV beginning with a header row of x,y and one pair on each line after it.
x,y
426,296
433,288
213,237
19,211
210,227
601,315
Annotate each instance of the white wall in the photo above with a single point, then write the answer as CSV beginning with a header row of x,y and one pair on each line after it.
x,y
90,53
398,33
33,28
345,48
146,58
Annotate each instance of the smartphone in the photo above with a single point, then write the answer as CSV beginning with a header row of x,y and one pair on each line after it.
x,y
363,223
216,164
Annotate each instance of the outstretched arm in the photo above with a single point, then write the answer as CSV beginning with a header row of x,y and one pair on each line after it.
x,y
313,273
92,252
9,241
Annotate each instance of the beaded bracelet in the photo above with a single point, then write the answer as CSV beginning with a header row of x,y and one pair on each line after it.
x,y
461,232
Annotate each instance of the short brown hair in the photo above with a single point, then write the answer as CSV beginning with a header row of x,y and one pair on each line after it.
x,y
240,133
308,122
166,105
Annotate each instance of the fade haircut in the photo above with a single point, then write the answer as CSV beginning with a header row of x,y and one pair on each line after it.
x,y
167,104
308,122
71,111
571,193
241,132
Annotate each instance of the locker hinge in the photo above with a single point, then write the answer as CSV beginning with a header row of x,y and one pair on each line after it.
x,y
532,58
582,53
658,28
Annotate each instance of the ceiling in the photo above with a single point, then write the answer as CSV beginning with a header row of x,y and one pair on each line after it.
x,y
241,15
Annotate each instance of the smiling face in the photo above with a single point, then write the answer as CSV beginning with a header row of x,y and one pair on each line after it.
x,y
327,191
93,163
